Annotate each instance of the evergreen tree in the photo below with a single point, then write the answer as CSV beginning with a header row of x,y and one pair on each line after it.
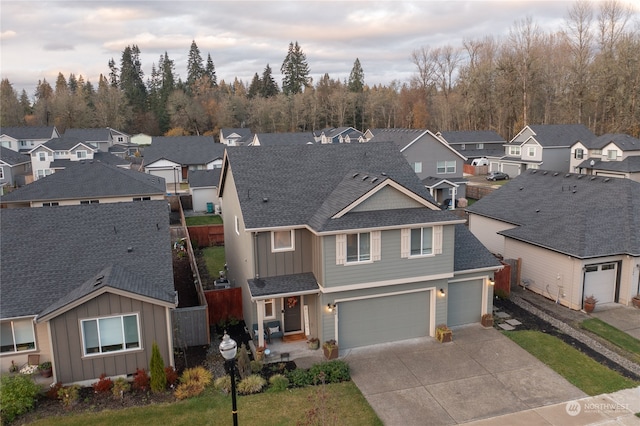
x,y
113,74
132,78
156,369
11,113
25,103
356,78
72,83
210,71
255,87
295,70
195,69
269,87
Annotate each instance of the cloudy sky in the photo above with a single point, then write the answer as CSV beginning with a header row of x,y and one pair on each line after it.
x,y
42,38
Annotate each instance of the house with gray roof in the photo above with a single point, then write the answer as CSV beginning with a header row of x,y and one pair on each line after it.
x,y
89,288
173,157
474,144
577,235
344,242
437,164
15,168
203,186
87,182
339,135
25,138
58,150
101,138
612,154
236,136
292,138
540,146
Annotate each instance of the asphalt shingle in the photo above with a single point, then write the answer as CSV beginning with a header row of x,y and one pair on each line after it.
x,y
185,150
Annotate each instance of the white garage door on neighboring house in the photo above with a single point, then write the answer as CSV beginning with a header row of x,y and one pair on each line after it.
x,y
600,281
383,319
464,305
168,175
512,170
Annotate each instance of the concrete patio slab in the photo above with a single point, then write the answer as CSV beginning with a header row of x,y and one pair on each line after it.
x,y
521,418
381,374
410,407
500,355
624,318
474,333
446,364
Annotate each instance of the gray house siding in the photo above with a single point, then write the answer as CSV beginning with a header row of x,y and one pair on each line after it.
x,y
390,266
385,199
557,159
72,366
429,152
297,261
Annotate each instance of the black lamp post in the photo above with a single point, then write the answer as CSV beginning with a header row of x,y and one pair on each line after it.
x,y
228,349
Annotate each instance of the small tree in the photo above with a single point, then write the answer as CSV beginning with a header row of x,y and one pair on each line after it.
x,y
244,363
156,367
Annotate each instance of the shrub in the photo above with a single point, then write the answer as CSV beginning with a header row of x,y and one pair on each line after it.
x,y
196,375
256,366
17,396
120,387
188,390
251,384
299,378
103,385
69,395
278,382
223,384
156,367
333,371
171,374
244,363
52,392
140,380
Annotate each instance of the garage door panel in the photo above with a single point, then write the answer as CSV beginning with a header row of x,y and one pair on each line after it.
x,y
601,283
464,303
383,319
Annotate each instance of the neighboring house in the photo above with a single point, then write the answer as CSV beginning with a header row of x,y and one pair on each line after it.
x,y
344,242
272,139
438,165
172,158
613,155
100,138
61,151
15,168
203,185
87,182
339,135
577,235
475,143
24,139
89,288
124,150
540,146
235,136
141,139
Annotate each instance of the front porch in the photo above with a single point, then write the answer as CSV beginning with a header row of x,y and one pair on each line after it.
x,y
290,348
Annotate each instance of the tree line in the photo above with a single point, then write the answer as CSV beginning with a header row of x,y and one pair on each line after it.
x,y
587,71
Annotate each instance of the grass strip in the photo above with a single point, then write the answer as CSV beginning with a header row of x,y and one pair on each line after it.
x,y
577,368
616,336
214,259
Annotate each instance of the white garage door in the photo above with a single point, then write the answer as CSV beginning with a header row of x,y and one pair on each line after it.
x,y
464,305
168,175
600,281
383,319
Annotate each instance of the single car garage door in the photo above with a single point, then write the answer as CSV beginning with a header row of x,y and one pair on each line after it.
x,y
464,303
600,281
512,170
383,319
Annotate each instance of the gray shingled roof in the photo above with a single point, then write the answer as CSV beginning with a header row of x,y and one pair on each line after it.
x,y
184,150
65,143
90,135
628,165
560,135
579,215
12,157
270,139
28,132
54,251
88,179
401,137
623,141
204,178
244,132
472,136
287,186
284,284
469,253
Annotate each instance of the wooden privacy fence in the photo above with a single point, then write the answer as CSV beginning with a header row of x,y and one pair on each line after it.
x,y
207,235
190,326
224,303
477,192
502,280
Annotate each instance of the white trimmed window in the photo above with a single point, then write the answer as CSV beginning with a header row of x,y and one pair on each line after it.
x,y
514,150
17,336
612,154
417,167
531,151
480,146
1,173
111,334
358,247
579,153
270,309
282,240
423,241
81,155
446,167
42,156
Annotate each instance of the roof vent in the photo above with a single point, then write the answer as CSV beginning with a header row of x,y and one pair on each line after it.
x,y
521,188
129,249
545,172
374,179
98,280
365,177
593,178
383,174
580,176
265,199
537,210
533,172
556,174
567,175
606,180
355,175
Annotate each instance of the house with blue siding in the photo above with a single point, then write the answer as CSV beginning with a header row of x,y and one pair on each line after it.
x,y
344,242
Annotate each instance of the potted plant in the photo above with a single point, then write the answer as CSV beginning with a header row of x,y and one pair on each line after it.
x,y
487,320
330,348
313,343
46,370
444,333
635,300
260,353
590,303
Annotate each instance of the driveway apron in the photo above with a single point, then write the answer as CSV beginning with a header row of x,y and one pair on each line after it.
x,y
480,374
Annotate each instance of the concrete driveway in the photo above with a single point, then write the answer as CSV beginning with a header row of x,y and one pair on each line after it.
x,y
480,374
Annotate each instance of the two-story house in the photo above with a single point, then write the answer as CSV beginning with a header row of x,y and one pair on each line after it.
x,y
235,136
15,168
540,146
339,135
474,144
25,138
100,138
344,242
613,155
61,150
437,164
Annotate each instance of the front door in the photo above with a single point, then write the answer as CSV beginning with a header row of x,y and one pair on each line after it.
x,y
292,316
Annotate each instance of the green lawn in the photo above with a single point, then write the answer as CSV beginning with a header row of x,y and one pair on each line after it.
x,y
214,259
203,220
614,335
343,405
580,370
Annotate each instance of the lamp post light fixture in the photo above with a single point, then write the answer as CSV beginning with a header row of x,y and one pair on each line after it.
x,y
228,349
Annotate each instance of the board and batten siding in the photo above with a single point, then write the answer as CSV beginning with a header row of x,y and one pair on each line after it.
x,y
390,266
71,364
299,260
387,198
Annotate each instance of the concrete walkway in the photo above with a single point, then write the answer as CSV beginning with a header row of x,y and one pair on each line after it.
x,y
480,375
625,318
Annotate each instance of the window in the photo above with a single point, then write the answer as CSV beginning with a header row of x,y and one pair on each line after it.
x,y
446,167
51,204
609,267
514,150
1,173
111,334
358,247
579,153
80,155
282,240
17,336
531,151
612,154
480,146
42,156
141,198
421,241
90,202
120,139
269,309
42,173
417,167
